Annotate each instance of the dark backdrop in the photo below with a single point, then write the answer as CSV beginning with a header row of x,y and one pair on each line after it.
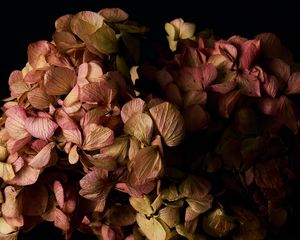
x,y
23,22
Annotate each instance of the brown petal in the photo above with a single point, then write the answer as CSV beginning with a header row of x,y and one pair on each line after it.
x,y
37,50
34,200
114,14
169,122
26,176
170,216
11,208
147,165
293,84
85,23
6,171
59,81
194,187
96,137
140,126
39,99
141,205
97,92
195,118
152,228
227,103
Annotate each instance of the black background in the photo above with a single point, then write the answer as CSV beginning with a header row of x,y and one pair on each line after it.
x,y
23,22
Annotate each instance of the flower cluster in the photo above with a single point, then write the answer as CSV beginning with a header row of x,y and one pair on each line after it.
x,y
83,144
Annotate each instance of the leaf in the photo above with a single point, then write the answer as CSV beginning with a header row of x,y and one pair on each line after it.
x,y
59,81
114,14
293,86
6,171
141,205
42,128
140,126
132,107
169,123
152,228
43,158
85,23
39,99
96,137
132,43
104,40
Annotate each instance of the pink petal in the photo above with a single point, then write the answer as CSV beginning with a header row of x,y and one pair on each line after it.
x,y
61,220
43,158
15,123
14,145
59,193
96,137
172,94
227,103
26,176
249,51
223,88
36,50
271,86
42,128
132,107
249,85
59,81
226,49
269,106
34,76
97,92
38,144
15,76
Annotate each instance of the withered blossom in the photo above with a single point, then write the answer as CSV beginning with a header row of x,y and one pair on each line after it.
x,y
210,154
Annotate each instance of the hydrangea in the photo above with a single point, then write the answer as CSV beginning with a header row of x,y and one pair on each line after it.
x,y
211,153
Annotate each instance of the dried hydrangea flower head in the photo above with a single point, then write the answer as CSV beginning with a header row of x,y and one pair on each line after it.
x,y
85,146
